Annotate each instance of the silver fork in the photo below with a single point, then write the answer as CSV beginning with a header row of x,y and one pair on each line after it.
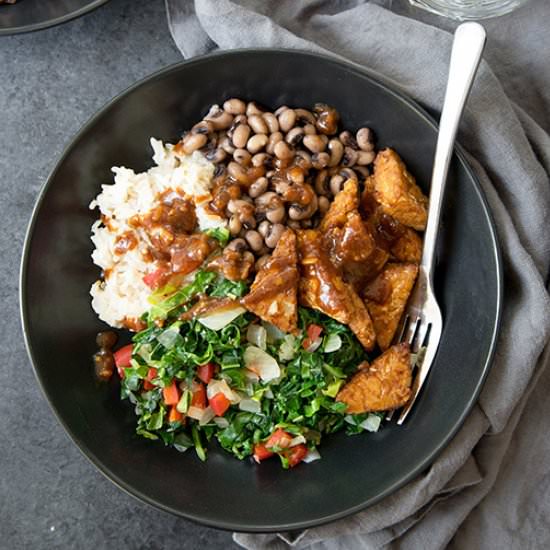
x,y
422,322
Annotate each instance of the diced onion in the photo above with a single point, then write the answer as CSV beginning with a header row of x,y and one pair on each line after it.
x,y
169,337
221,422
332,343
297,440
314,346
252,376
313,454
272,332
261,363
221,386
202,415
250,405
208,415
371,423
286,350
144,351
256,335
220,319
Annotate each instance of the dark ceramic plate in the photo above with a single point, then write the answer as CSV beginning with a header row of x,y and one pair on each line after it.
x,y
32,15
60,325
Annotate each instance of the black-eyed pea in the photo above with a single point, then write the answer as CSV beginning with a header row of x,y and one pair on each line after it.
x,y
315,143
365,157
273,235
227,146
336,183
256,143
272,141
295,136
320,160
271,121
257,123
216,155
240,136
350,156
242,156
220,119
261,261
259,187
303,159
235,225
283,150
327,119
336,150
348,140
203,127
254,240
287,120
193,142
264,228
304,116
361,171
235,106
365,139
254,109
262,159
322,182
276,213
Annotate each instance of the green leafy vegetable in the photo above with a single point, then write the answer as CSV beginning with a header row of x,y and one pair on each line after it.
x,y
229,289
221,234
300,401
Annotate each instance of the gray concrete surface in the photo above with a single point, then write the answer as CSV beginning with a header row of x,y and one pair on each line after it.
x,y
51,82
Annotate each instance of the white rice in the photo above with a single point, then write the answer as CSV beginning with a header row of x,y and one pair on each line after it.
x,y
123,295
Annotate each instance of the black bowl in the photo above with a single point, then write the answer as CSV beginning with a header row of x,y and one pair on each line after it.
x,y
60,325
32,15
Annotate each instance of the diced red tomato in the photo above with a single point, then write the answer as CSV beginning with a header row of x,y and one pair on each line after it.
x,y
122,358
219,403
174,415
295,454
206,372
261,452
279,438
198,399
313,333
151,374
156,278
171,394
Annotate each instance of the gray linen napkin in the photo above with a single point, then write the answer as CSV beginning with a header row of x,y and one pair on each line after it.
x,y
511,156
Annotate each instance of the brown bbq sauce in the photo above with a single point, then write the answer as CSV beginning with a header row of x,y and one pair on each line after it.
x,y
104,361
235,265
168,227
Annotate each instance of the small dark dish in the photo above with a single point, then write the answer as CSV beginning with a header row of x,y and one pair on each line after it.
x,y
32,15
60,325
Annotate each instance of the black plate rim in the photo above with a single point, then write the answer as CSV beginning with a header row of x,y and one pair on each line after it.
x,y
411,474
52,22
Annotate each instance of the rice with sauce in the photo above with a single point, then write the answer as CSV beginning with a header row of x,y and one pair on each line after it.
x,y
122,295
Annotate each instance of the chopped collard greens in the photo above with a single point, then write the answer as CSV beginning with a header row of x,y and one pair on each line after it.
x,y
246,385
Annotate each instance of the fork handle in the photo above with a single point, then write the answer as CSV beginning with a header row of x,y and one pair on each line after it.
x,y
468,44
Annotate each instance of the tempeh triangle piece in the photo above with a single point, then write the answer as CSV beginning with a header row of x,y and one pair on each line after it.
x,y
383,385
274,293
386,298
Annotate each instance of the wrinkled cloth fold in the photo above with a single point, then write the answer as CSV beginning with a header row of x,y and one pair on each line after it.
x,y
510,153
